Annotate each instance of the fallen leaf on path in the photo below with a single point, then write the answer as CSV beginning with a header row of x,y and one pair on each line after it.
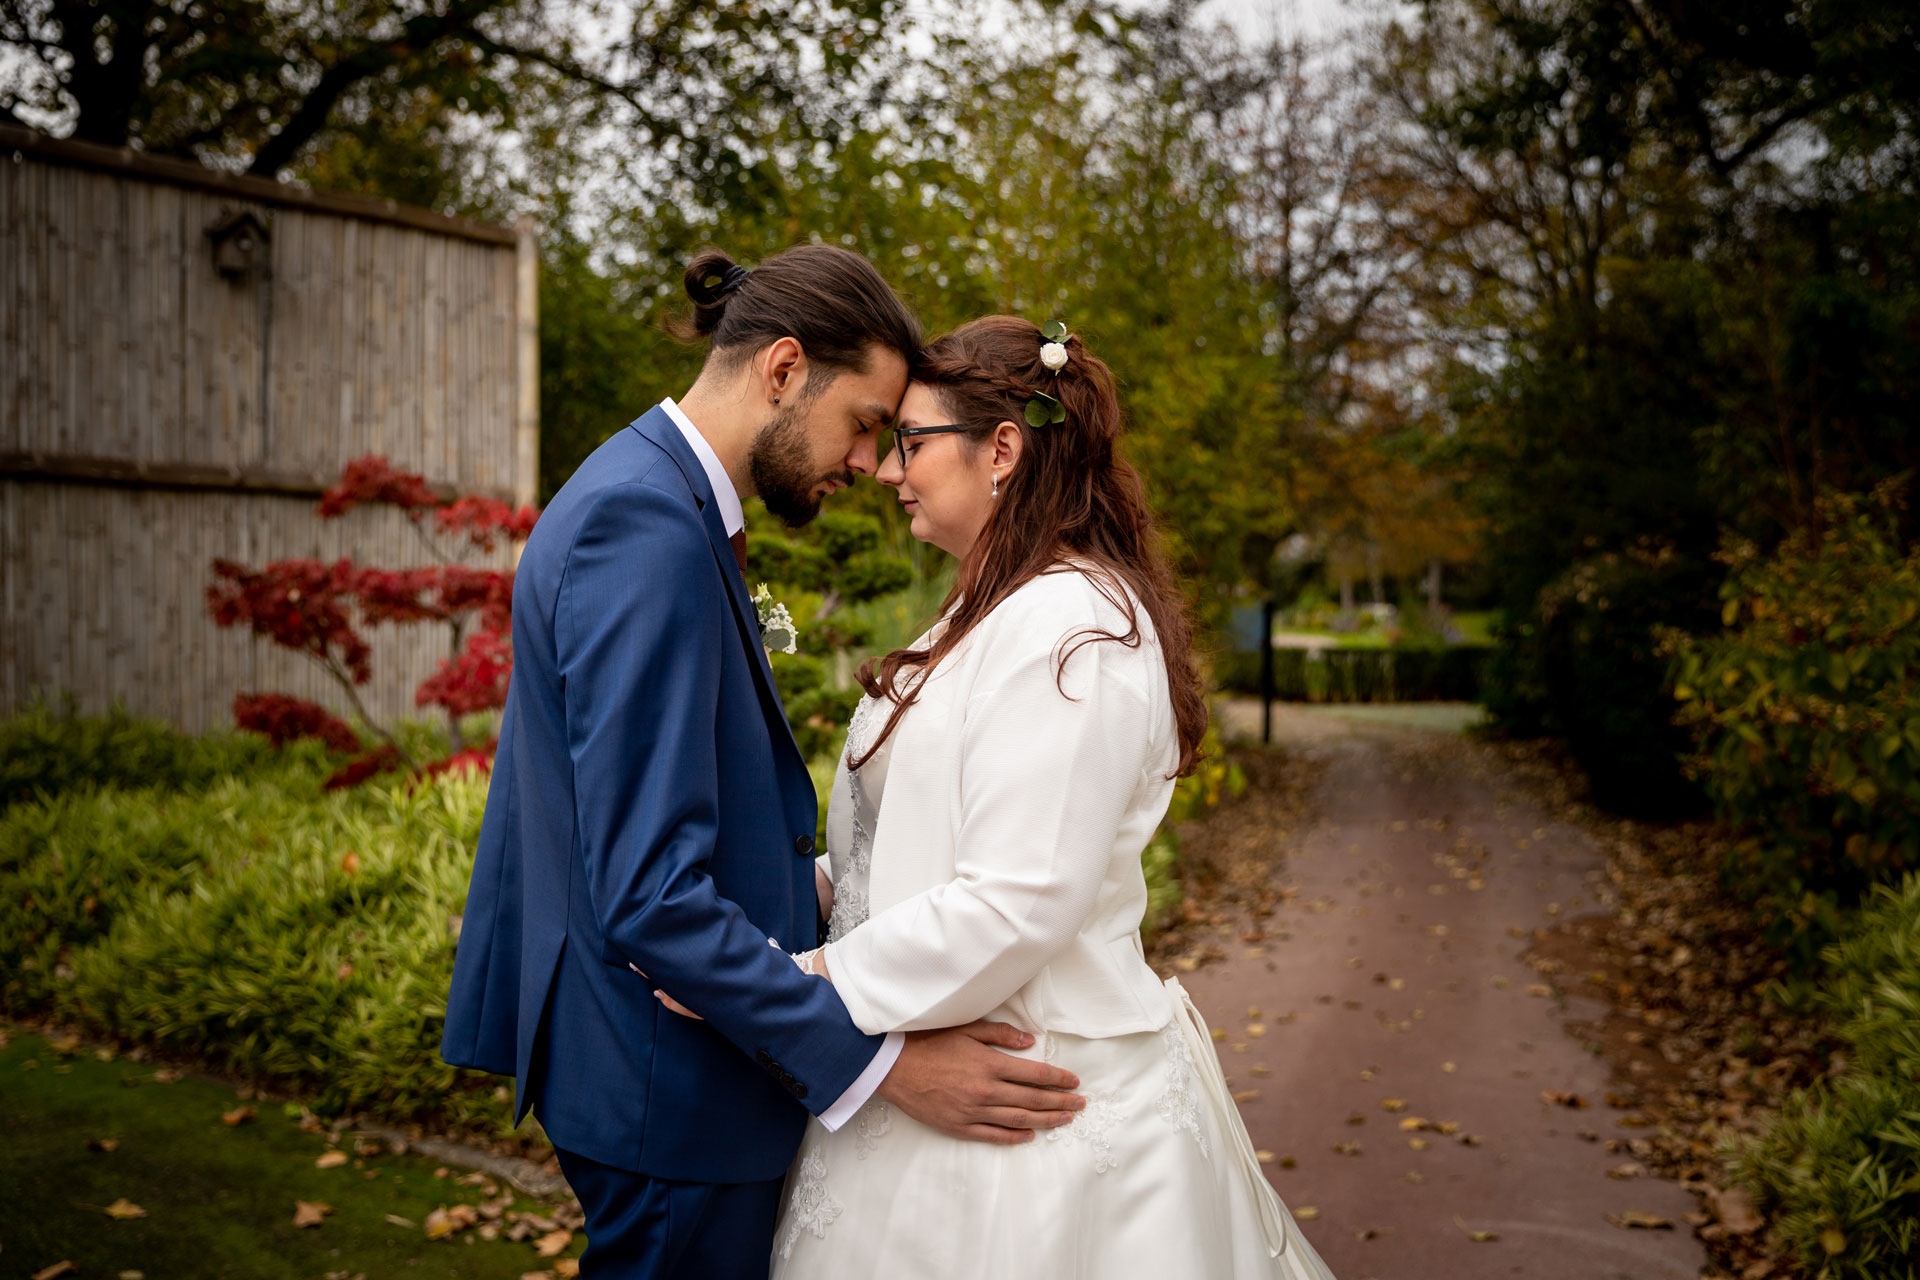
x,y
1264,1156
1307,1212
1639,1218
238,1116
1471,1139
55,1271
1418,1144
1735,1210
1631,1169
1634,1122
1393,1104
123,1209
1260,1070
1218,1034
1354,1117
308,1213
1539,989
330,1160
1346,1148
1246,1095
1256,1029
553,1242
1561,1098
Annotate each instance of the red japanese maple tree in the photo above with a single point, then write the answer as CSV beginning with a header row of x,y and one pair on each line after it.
x,y
320,610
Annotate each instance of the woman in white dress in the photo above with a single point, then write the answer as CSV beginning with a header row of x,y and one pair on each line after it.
x,y
1001,780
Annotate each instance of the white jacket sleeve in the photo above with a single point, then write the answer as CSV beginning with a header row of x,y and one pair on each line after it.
x,y
1045,782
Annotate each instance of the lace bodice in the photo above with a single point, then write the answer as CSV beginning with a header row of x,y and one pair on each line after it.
x,y
850,845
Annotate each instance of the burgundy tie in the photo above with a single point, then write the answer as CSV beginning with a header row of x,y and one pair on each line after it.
x,y
739,540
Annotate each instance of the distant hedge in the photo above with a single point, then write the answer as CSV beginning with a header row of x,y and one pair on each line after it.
x,y
1362,675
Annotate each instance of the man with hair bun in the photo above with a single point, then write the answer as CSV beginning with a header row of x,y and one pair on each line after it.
x,y
650,822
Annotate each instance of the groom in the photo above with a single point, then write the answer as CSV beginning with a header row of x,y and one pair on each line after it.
x,y
650,821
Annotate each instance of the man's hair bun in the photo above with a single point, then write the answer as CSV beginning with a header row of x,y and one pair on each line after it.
x,y
712,277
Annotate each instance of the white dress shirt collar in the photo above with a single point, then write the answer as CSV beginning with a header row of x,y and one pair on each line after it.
x,y
724,493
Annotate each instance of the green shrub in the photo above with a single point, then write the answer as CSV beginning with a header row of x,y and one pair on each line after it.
x,y
1805,711
1841,1163
46,750
268,930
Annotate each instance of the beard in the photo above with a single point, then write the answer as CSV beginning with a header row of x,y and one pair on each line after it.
x,y
780,461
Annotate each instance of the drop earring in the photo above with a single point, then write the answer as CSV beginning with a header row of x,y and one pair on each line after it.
x,y
996,486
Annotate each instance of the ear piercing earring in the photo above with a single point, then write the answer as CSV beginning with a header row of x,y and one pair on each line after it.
x,y
996,486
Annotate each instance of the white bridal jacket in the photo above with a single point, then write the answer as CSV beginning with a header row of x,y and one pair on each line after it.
x,y
1006,878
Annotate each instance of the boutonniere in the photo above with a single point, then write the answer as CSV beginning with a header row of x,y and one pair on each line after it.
x,y
776,624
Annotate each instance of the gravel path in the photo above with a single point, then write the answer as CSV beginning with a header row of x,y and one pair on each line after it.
x,y
1390,1045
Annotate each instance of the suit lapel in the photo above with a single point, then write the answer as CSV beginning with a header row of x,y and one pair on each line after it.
x,y
656,426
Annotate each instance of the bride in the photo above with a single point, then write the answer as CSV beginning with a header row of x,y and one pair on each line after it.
x,y
1001,778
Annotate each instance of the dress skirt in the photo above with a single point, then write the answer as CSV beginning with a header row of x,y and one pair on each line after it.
x,y
1156,1178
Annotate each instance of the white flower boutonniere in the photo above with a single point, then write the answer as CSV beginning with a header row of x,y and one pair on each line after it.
x,y
776,624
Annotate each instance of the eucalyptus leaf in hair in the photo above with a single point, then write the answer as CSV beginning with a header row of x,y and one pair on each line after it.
x,y
1043,410
1054,330
711,282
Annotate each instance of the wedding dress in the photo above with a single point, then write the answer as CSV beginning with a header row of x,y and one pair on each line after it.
x,y
1156,1178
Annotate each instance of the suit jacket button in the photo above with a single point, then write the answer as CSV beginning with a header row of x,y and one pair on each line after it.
x,y
764,1058
803,845
799,1091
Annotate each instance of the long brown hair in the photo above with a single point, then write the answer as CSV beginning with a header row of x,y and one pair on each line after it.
x,y
1070,497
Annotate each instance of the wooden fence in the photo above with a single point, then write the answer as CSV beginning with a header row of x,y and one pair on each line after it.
x,y
187,359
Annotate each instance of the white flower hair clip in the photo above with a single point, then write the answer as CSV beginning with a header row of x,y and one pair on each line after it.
x,y
1053,353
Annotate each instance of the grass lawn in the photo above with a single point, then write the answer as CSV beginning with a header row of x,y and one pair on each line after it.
x,y
218,1200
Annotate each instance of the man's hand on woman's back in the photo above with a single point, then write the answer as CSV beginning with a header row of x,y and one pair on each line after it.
x,y
956,1080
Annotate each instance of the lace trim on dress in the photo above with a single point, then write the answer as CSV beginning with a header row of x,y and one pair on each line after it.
x,y
1093,1126
870,1124
850,903
1180,1103
811,1208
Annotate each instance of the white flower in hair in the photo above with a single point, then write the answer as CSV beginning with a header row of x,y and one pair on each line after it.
x,y
1054,356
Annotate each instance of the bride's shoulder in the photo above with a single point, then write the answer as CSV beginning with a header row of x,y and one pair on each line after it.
x,y
1063,602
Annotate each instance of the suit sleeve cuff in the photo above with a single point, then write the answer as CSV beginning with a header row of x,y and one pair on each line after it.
x,y
866,1085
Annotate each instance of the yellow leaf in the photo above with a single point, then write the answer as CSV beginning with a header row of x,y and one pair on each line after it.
x,y
1307,1212
308,1213
1833,1240
122,1209
1393,1104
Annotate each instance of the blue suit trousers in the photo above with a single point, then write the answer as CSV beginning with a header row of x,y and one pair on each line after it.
x,y
643,1228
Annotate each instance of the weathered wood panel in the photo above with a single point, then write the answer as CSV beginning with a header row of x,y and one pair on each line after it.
x,y
136,380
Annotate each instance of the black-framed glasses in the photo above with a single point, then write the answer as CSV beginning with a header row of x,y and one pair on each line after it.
x,y
901,435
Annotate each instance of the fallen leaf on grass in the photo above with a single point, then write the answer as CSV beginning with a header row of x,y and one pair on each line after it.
x,y
308,1213
536,1275
1639,1218
103,1144
123,1209
566,1268
55,1271
167,1075
350,862
553,1242
1833,1240
444,1221
330,1160
65,1045
399,1221
238,1116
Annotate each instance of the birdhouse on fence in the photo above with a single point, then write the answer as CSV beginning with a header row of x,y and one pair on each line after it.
x,y
240,242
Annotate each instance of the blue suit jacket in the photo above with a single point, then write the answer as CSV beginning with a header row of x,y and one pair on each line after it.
x,y
648,807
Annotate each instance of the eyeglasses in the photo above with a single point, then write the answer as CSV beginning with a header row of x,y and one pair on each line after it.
x,y
901,435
